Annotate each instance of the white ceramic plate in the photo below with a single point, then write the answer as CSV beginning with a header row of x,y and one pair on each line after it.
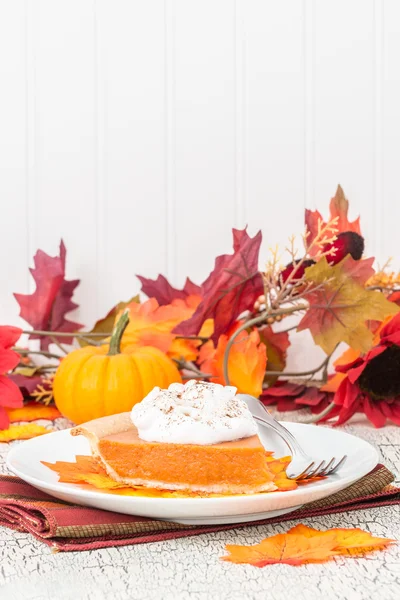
x,y
25,461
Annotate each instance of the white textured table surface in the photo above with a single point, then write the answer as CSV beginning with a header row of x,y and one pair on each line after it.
x,y
189,568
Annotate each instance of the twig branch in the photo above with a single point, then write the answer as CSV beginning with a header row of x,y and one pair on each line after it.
x,y
57,343
189,366
321,415
64,334
25,352
323,365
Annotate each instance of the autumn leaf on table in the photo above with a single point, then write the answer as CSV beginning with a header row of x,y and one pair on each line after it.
x,y
164,293
106,324
340,307
22,432
32,411
230,289
302,545
10,394
46,308
339,207
246,364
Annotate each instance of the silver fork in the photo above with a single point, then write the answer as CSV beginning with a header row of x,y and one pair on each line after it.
x,y
302,466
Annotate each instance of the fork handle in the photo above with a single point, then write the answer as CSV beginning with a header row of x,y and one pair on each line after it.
x,y
261,414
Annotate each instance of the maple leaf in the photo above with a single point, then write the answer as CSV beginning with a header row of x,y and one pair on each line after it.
x,y
22,432
246,363
340,307
33,411
46,308
164,293
277,344
152,325
230,289
302,545
339,208
106,324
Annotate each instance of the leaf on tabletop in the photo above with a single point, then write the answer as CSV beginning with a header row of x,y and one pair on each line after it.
x,y
339,207
46,308
106,324
302,545
246,363
230,289
33,411
22,432
164,293
340,307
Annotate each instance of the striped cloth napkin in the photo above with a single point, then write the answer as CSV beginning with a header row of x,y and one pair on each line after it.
x,y
69,527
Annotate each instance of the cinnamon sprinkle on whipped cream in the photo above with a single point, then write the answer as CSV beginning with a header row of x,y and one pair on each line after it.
x,y
196,412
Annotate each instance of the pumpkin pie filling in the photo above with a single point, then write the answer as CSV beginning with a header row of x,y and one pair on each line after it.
x,y
230,467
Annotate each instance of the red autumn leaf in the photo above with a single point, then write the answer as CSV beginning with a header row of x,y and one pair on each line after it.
x,y
277,344
230,289
46,308
26,384
10,395
164,293
339,207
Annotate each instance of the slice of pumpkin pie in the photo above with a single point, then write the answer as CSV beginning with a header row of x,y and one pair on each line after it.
x,y
198,437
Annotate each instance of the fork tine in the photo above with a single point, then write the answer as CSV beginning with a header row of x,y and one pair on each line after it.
x,y
339,464
326,469
314,473
303,474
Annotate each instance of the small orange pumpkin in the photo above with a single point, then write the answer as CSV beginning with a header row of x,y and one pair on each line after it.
x,y
96,381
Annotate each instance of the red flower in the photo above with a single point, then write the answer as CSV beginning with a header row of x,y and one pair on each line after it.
x,y
372,382
293,396
10,394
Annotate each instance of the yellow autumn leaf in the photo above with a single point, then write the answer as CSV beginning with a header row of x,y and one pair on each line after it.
x,y
22,432
340,307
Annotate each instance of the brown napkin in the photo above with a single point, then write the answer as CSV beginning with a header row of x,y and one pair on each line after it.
x,y
71,527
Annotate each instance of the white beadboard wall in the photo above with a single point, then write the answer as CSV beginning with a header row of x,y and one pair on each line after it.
x,y
142,131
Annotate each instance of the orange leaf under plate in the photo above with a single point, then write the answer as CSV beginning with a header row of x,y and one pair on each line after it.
x,y
33,411
89,471
22,432
302,545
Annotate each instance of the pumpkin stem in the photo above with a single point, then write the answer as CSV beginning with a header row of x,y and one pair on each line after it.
x,y
117,333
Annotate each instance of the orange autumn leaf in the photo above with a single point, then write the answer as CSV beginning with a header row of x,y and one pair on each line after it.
x,y
302,545
338,209
22,432
33,411
151,325
246,364
89,471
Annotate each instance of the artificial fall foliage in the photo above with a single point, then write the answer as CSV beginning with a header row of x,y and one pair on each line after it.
x,y
302,545
22,432
88,471
232,327
46,308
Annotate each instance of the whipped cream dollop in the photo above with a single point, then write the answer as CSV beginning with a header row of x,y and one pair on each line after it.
x,y
196,412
